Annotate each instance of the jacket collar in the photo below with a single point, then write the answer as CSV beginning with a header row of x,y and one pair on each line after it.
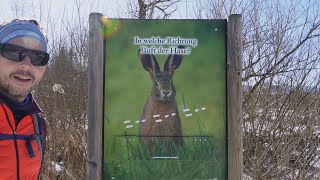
x,y
33,108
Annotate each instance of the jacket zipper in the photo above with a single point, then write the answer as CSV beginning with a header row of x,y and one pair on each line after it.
x,y
15,143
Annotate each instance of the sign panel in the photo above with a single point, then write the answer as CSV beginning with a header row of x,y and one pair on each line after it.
x,y
165,99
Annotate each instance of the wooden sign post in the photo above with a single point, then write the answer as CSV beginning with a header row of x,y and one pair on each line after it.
x,y
95,101
234,96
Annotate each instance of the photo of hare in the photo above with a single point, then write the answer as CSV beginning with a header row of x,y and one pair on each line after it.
x,y
165,100
162,127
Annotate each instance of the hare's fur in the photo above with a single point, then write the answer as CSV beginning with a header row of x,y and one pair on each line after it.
x,y
162,125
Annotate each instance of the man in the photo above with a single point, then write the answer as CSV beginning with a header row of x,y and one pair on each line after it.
x,y
23,61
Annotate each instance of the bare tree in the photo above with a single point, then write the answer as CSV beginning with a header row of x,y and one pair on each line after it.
x,y
18,8
281,85
63,93
151,9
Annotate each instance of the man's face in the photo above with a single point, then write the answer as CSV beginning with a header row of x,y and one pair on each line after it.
x,y
18,79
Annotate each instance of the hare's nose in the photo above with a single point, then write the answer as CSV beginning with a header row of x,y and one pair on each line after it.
x,y
166,92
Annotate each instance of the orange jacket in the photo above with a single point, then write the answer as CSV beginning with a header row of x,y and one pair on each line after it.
x,y
19,158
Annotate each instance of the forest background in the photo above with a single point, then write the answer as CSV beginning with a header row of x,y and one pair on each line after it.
x,y
281,76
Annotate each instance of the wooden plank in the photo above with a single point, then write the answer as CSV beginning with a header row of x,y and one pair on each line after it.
x,y
95,99
234,92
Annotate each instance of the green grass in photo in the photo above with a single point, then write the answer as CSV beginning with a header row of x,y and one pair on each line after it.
x,y
200,84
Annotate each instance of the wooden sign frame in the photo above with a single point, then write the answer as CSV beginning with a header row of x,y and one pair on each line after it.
x,y
96,92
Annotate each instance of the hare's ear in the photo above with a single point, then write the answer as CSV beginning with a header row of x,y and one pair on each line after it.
x,y
173,62
149,63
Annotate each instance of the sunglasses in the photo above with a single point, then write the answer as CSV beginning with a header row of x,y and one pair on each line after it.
x,y
18,53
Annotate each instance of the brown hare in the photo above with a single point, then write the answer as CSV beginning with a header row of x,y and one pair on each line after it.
x,y
160,128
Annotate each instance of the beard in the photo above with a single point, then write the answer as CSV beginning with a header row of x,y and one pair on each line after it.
x,y
13,90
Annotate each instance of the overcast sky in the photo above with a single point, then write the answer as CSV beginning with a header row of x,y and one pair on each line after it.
x,y
54,8
41,9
